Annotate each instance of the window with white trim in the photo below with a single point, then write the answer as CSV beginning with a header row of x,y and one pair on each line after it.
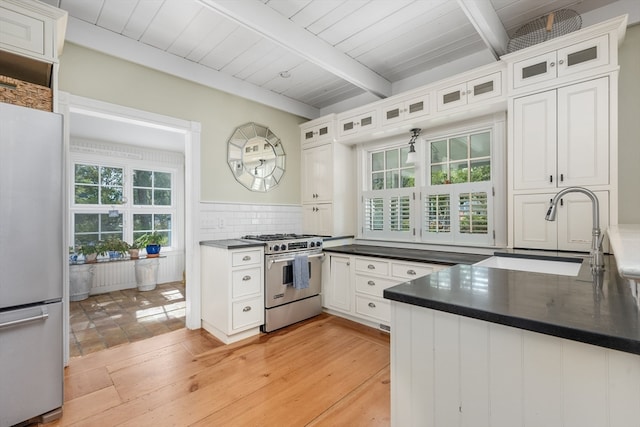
x,y
457,199
124,201
447,197
388,202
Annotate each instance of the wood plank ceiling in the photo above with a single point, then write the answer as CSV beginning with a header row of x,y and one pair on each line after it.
x,y
331,50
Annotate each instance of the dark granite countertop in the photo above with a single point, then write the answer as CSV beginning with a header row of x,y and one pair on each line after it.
x,y
601,312
231,243
416,255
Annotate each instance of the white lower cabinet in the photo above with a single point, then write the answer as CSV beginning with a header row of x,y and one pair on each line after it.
x,y
355,285
450,370
337,289
571,231
232,283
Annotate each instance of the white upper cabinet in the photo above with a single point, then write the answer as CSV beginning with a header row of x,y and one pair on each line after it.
x,y
317,165
406,108
363,122
31,28
565,61
469,92
561,137
319,130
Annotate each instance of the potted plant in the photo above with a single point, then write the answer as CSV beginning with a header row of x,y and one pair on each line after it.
x,y
89,251
152,243
114,246
134,250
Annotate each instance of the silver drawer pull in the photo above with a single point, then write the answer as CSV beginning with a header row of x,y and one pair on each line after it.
x,y
247,308
246,258
246,278
411,272
371,283
371,267
372,305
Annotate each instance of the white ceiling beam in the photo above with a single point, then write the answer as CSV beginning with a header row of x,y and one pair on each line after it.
x,y
262,19
484,18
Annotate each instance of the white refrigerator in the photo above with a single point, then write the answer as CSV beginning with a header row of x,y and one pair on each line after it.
x,y
32,258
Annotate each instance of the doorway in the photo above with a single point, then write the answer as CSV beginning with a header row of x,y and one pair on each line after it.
x,y
88,119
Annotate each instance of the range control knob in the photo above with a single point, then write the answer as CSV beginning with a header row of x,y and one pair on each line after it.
x,y
312,244
275,248
283,247
318,244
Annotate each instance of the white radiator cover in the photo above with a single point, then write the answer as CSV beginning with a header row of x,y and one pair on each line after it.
x,y
118,275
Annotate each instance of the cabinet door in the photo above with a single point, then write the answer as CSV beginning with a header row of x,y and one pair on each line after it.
x,y
534,70
317,133
417,106
571,231
22,33
317,174
534,141
531,230
575,220
583,56
338,292
484,88
361,123
453,96
583,133
318,219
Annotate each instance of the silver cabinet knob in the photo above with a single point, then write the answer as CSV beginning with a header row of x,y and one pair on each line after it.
x,y
372,305
247,308
246,258
246,278
411,272
371,267
371,283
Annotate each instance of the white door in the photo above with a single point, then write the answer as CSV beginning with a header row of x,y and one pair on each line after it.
x,y
534,141
583,133
531,230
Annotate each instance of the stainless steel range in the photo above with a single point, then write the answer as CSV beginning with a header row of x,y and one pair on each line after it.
x,y
288,301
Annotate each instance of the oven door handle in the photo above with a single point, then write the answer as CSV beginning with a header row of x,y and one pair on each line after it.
x,y
273,261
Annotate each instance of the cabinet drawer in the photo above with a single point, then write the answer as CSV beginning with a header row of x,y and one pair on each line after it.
x,y
411,271
246,258
373,285
374,308
372,266
246,282
247,313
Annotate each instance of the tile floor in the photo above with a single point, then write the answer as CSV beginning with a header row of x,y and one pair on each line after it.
x,y
106,320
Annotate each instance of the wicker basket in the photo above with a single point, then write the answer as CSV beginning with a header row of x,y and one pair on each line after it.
x,y
18,92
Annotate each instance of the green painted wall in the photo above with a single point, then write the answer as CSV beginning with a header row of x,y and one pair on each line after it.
x,y
629,128
94,75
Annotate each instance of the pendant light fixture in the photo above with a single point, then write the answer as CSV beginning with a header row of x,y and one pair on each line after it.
x,y
412,157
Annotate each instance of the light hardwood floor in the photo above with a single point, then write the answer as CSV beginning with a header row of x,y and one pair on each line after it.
x,y
323,372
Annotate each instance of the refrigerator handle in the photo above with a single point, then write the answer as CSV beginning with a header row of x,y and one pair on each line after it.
x,y
43,316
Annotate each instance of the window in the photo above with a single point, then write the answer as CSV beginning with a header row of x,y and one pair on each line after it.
x,y
98,185
457,205
446,197
122,201
388,204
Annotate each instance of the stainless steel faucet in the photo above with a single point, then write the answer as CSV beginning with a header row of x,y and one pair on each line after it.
x,y
597,255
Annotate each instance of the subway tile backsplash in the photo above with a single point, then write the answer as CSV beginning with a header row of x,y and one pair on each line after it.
x,y
233,220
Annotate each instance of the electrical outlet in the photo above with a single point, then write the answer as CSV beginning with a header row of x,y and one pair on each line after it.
x,y
220,222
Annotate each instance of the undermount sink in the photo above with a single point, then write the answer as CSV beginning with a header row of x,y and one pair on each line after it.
x,y
562,267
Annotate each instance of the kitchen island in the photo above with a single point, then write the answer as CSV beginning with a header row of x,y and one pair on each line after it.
x,y
480,346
